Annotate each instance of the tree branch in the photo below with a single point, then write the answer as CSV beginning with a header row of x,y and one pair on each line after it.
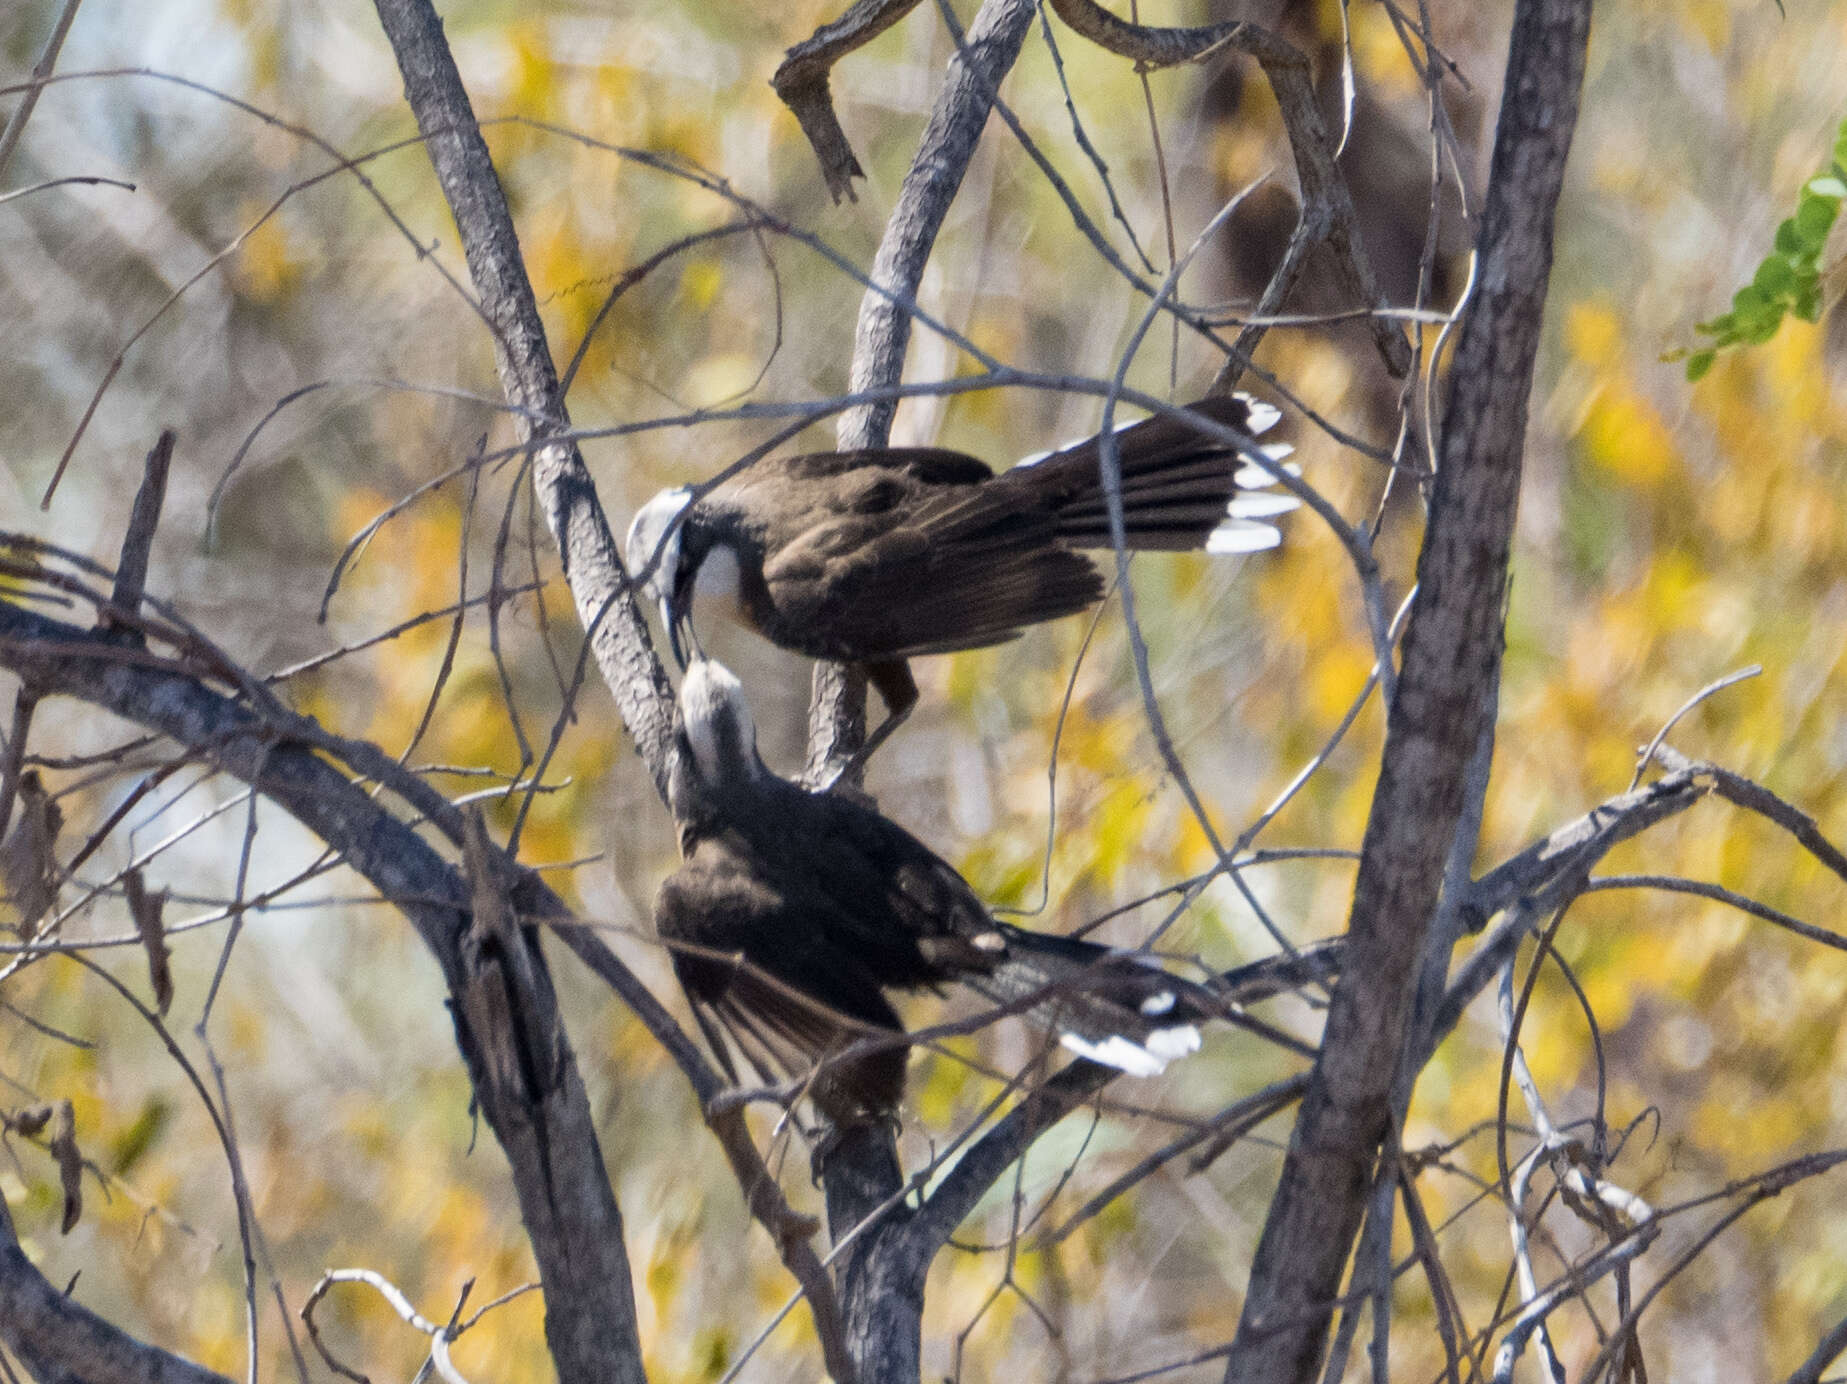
x,y
801,81
881,1282
1452,650
587,549
62,1342
1327,217
507,1022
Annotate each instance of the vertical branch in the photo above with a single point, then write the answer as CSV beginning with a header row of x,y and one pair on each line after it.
x,y
590,1320
41,73
131,573
1452,651
575,1224
961,111
882,1286
837,720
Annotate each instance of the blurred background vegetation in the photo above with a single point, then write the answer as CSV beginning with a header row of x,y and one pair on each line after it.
x,y
1670,534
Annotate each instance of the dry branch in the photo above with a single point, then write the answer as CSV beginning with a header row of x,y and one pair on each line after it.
x,y
801,81
1328,216
568,1207
544,1125
62,1342
1452,651
591,561
587,549
138,542
881,1275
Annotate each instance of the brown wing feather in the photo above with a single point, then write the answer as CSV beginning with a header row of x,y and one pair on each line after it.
x,y
1176,481
934,466
963,570
888,554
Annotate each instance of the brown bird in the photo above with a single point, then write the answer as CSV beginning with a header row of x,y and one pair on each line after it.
x,y
880,555
795,911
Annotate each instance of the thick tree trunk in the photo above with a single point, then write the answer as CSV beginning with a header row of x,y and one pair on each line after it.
x,y
1452,652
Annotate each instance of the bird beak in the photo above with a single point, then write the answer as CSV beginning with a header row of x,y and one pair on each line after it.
x,y
677,619
670,622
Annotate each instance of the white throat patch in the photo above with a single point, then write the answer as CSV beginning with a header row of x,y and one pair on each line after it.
x,y
717,582
718,723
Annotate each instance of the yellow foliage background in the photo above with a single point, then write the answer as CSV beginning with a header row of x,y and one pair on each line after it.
x,y
1670,534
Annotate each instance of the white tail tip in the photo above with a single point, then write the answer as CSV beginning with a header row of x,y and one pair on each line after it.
x,y
1251,476
1262,506
1136,1059
1243,536
1261,417
1170,1044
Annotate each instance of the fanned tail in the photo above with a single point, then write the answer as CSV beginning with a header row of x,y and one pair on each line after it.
x,y
1181,489
1109,1006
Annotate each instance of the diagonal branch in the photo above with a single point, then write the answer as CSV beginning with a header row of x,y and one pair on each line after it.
x,y
882,1280
508,1025
995,1151
592,565
507,1020
586,548
60,1341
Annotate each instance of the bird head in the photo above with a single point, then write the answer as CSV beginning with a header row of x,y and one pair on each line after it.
x,y
716,721
670,579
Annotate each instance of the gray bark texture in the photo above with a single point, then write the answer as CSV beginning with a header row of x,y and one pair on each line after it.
x,y
587,549
1452,650
618,636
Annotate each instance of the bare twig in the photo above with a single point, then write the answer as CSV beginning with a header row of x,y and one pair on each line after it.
x,y
592,563
1826,1352
593,569
1710,690
440,1335
801,81
57,1338
881,1276
132,570
41,71
1327,212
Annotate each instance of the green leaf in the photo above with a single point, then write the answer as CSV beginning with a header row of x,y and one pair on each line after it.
x,y
1750,302
1788,281
1774,278
1814,217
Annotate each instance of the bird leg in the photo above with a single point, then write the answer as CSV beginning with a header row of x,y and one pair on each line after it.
x,y
898,690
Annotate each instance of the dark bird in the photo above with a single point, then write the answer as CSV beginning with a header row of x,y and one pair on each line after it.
x,y
795,911
880,555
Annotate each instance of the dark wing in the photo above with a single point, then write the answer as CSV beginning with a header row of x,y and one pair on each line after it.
x,y
902,908
914,909
758,958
